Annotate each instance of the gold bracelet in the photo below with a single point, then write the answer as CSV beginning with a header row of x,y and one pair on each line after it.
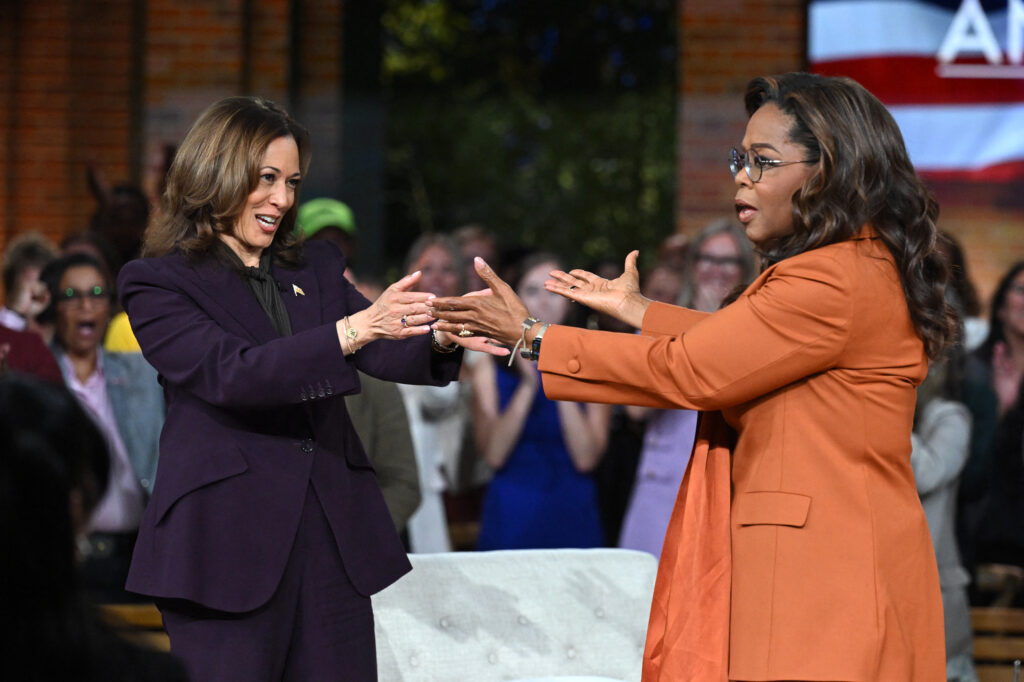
x,y
350,336
440,347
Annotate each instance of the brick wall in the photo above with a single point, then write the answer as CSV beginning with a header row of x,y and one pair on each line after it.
x,y
722,45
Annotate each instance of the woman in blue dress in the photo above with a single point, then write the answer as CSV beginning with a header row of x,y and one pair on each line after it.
x,y
542,451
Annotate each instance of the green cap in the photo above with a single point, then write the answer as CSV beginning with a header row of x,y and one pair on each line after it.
x,y
316,214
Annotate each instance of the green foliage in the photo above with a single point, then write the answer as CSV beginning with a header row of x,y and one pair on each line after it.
x,y
491,120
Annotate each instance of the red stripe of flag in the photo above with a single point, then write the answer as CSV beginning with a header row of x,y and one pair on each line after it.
x,y
913,80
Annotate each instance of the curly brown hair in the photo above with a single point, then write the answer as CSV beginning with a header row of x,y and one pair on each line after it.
x,y
214,171
861,175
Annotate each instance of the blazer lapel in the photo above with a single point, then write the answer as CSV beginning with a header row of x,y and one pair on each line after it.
x,y
237,300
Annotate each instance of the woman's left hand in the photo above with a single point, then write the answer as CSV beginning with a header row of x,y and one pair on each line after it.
x,y
498,316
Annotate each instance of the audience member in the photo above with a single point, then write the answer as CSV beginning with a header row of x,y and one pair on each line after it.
x,y
331,220
541,494
941,443
438,415
53,470
966,295
992,378
1003,350
377,411
720,260
119,337
379,418
475,241
121,217
1000,531
667,441
24,295
25,352
673,251
121,393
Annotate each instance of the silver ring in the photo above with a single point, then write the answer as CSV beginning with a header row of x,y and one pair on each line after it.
x,y
404,324
465,332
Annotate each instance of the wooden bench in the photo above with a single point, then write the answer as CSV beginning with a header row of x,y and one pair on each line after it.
x,y
139,623
998,643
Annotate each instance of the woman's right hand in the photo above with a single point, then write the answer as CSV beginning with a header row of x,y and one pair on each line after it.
x,y
620,297
398,313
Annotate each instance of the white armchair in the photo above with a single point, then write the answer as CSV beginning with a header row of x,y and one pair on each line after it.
x,y
565,614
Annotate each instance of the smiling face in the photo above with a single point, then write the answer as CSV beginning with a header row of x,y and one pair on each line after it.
x,y
766,207
82,317
266,205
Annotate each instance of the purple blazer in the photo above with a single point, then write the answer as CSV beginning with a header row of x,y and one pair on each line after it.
x,y
252,420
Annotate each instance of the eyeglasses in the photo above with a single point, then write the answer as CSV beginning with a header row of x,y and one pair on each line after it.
x,y
754,164
78,298
722,261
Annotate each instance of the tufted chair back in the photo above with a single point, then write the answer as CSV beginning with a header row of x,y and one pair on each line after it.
x,y
556,614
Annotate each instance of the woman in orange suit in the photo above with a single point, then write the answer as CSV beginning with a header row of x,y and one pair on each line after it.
x,y
797,549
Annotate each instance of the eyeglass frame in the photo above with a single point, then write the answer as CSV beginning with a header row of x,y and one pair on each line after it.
x,y
78,298
757,161
712,260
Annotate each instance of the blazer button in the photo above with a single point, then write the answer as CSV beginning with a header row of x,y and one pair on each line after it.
x,y
573,365
307,445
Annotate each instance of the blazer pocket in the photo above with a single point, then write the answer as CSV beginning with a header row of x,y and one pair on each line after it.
x,y
772,507
201,471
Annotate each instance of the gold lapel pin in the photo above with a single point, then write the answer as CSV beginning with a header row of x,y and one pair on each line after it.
x,y
297,290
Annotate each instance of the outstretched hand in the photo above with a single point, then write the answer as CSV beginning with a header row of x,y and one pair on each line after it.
x,y
497,316
619,297
398,312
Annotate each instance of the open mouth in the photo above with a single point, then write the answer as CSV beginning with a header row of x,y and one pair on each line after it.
x,y
86,328
268,223
744,211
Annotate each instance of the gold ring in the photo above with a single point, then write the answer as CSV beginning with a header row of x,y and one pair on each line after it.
x,y
465,332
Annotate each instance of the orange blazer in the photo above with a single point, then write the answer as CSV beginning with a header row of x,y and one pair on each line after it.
x,y
798,549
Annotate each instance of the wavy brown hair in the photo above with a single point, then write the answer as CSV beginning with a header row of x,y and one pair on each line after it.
x,y
213,173
862,175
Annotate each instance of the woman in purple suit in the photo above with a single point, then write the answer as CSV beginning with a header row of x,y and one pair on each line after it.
x,y
266,533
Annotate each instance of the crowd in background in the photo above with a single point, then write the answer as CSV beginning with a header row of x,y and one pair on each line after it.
x,y
489,462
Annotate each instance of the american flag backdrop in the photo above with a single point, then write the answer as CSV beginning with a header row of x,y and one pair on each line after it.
x,y
950,71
